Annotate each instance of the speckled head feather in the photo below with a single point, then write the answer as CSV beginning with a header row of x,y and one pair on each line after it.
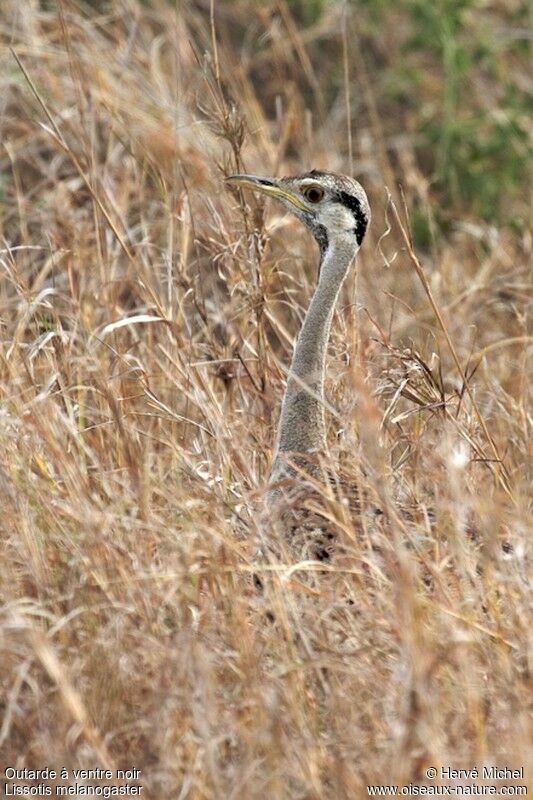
x,y
341,190
327,203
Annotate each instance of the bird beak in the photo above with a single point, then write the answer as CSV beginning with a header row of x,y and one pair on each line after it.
x,y
270,187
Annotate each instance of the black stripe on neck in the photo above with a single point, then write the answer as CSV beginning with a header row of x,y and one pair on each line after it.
x,y
354,205
321,237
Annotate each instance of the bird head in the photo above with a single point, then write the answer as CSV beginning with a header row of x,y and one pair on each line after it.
x,y
330,205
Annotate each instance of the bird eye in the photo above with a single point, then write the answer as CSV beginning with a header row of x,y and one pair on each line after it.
x,y
313,193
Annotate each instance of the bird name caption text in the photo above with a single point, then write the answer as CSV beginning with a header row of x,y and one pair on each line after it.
x,y
63,782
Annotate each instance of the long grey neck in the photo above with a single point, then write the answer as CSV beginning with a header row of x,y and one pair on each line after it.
x,y
302,425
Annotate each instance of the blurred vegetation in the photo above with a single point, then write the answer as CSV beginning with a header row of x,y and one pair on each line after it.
x,y
454,78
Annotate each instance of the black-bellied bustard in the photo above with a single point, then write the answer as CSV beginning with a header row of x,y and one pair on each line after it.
x,y
336,211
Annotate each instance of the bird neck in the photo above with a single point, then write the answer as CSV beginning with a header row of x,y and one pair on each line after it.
x,y
302,425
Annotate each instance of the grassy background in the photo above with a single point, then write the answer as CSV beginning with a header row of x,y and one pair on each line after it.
x,y
147,317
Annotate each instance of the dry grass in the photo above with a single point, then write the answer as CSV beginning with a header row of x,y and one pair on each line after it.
x,y
147,317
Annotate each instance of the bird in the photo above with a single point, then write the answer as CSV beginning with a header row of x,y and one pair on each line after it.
x,y
335,209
